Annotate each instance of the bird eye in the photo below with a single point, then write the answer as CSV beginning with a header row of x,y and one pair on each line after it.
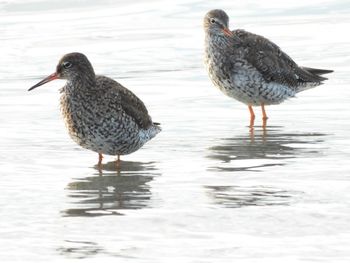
x,y
67,64
212,20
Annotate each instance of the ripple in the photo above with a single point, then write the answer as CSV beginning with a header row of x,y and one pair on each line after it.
x,y
244,196
262,148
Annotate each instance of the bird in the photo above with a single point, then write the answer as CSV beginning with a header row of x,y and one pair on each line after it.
x,y
252,69
100,114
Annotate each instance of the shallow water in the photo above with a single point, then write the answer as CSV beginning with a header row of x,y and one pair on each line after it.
x,y
206,189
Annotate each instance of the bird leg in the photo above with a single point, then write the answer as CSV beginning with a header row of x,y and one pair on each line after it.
x,y
264,115
117,162
100,157
252,116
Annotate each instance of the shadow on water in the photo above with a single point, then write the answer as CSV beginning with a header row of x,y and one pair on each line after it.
x,y
243,196
262,148
109,192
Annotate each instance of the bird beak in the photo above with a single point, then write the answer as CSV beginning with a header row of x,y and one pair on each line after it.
x,y
227,32
45,80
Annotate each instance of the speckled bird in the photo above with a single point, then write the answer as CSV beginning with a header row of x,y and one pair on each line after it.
x,y
101,115
251,68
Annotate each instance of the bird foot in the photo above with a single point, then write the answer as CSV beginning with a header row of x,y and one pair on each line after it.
x,y
264,122
251,123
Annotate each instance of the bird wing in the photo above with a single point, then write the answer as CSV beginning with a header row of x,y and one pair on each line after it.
x,y
273,64
128,101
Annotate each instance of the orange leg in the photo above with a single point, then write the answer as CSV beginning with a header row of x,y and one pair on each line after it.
x,y
100,157
264,115
251,134
264,112
117,162
252,116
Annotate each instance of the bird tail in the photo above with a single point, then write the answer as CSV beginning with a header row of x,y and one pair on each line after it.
x,y
317,71
156,127
150,132
311,77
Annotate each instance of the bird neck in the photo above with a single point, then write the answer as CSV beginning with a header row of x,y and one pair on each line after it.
x,y
81,84
215,41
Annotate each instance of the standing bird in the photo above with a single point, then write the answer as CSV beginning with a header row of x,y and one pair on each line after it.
x,y
250,68
101,115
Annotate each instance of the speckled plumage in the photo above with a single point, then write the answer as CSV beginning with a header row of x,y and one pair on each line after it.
x,y
249,67
101,115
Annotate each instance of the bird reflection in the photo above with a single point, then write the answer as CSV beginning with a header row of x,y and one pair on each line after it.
x,y
125,166
79,249
109,193
242,196
263,148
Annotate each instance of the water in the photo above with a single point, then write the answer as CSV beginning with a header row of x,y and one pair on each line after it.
x,y
205,189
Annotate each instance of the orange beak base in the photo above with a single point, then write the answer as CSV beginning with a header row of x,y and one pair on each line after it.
x,y
227,32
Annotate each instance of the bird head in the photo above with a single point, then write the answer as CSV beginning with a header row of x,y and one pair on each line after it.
x,y
216,22
71,66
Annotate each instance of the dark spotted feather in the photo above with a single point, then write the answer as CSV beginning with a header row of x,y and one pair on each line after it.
x,y
273,63
129,102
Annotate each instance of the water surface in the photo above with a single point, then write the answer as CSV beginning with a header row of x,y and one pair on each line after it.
x,y
206,189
